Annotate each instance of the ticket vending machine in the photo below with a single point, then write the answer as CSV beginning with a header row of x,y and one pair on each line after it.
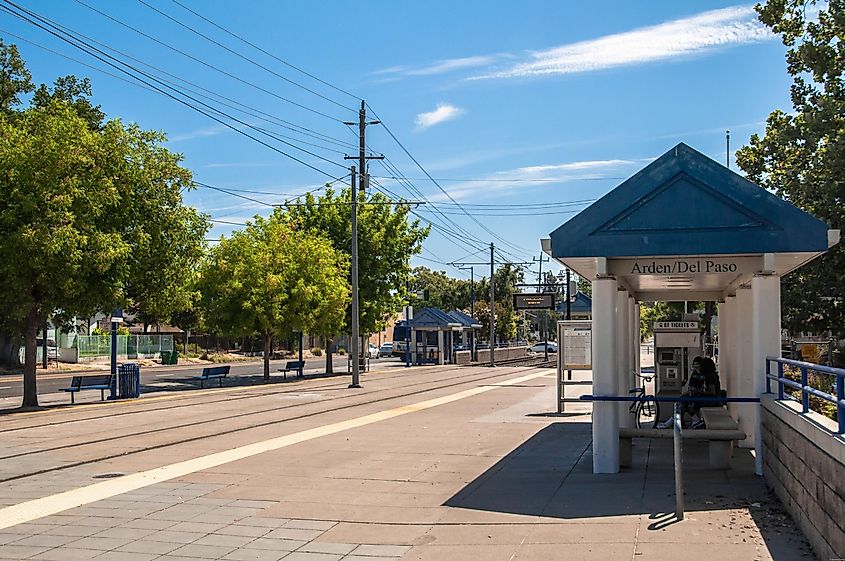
x,y
676,344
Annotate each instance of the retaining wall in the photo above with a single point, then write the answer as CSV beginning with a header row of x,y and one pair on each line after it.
x,y
804,463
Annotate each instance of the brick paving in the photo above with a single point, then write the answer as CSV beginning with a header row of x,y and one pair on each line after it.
x,y
487,477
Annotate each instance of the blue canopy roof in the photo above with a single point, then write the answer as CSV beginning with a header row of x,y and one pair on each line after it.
x,y
466,320
581,304
684,203
433,318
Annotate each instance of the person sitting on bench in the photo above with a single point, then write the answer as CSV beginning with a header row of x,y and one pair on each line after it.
x,y
703,382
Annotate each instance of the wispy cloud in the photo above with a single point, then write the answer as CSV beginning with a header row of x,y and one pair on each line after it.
x,y
681,37
439,66
199,133
522,178
442,113
701,33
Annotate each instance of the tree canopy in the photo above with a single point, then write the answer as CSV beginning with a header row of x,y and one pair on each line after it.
x,y
86,208
386,241
801,157
273,279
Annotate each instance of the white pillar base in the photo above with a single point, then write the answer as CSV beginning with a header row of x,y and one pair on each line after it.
x,y
605,380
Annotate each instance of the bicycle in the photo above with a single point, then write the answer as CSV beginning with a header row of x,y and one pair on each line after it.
x,y
645,410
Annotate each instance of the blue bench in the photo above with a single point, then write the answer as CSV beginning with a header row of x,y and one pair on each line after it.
x,y
100,382
293,366
211,372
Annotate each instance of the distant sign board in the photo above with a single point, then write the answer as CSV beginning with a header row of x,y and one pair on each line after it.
x,y
536,301
672,325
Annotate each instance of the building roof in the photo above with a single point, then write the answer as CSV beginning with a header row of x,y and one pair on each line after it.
x,y
687,228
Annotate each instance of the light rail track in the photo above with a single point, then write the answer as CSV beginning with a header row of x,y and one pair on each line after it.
x,y
462,379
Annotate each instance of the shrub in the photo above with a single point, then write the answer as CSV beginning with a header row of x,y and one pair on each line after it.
x,y
317,351
341,351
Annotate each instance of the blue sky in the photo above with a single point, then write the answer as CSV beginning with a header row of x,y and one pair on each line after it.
x,y
504,103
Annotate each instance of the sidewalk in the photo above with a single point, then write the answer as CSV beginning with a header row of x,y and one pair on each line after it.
x,y
474,471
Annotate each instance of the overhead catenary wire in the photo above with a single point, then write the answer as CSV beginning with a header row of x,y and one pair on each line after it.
x,y
88,49
204,63
192,87
244,57
271,55
444,191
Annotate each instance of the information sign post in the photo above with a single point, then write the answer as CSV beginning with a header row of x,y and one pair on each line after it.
x,y
575,352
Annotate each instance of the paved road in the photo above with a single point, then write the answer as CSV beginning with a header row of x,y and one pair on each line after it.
x,y
175,376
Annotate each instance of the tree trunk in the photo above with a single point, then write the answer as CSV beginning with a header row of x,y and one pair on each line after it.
x,y
268,339
30,390
329,365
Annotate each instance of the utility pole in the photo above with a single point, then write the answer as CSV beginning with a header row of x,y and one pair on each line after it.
x,y
540,285
492,307
362,158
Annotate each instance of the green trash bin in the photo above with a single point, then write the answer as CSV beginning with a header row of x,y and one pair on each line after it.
x,y
174,357
166,358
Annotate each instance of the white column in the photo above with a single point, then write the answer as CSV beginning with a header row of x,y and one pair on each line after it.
x,y
765,294
727,347
637,347
440,347
623,362
742,378
605,414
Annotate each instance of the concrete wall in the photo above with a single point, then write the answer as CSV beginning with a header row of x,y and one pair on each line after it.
x,y
462,357
804,463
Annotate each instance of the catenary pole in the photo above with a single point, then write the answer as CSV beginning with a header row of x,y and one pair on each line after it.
x,y
355,355
356,347
492,308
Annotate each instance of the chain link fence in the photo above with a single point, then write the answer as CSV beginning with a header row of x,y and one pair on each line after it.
x,y
93,347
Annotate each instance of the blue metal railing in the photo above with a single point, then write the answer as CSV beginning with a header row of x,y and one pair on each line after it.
x,y
804,387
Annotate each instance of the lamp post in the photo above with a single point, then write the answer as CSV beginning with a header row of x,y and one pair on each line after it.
x,y
116,319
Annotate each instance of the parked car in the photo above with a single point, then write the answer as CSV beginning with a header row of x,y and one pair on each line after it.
x,y
372,351
540,348
386,350
52,350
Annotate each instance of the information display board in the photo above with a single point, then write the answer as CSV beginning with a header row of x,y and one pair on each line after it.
x,y
576,344
534,301
575,352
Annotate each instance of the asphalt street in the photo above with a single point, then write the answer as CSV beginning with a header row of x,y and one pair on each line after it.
x,y
176,377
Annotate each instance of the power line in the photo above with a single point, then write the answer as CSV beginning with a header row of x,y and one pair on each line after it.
x,y
243,57
253,45
517,180
88,49
204,63
449,196
233,104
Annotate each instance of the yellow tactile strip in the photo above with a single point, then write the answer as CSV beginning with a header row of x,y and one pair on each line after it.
x,y
54,504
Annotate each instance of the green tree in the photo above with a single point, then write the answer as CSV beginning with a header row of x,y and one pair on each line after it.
x,y
15,79
801,157
386,241
73,206
74,92
443,291
273,279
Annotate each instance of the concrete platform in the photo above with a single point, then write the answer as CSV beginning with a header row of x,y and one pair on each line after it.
x,y
427,463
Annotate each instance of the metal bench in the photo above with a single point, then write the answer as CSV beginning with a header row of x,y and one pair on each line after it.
x,y
293,366
211,372
100,382
720,436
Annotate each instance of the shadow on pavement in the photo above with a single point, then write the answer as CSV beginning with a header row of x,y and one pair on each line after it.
x,y
550,475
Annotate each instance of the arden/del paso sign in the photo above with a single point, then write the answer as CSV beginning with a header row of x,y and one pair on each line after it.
x,y
685,266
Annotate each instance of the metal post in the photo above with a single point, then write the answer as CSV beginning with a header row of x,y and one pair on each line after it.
x,y
492,308
354,352
408,326
300,349
780,384
568,316
805,397
840,400
679,474
728,148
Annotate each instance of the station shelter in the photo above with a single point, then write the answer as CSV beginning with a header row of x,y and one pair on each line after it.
x,y
685,228
431,336
467,331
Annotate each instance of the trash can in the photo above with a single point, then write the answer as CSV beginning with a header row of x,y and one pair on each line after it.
x,y
165,357
170,357
128,381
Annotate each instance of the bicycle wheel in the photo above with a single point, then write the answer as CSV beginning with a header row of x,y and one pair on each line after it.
x,y
646,413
